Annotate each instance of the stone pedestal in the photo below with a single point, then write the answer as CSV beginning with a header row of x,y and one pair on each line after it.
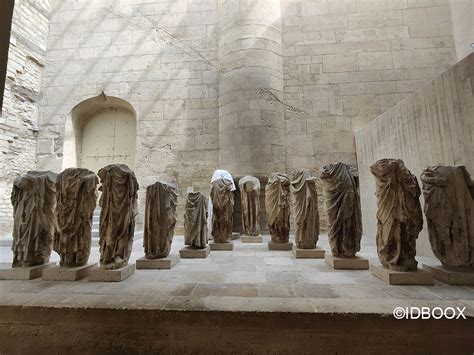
x,y
451,276
7,272
354,263
112,275
59,273
316,253
235,236
192,253
252,239
221,246
163,263
279,246
392,277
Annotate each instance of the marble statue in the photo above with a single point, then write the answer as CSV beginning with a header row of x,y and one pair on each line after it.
x,y
34,200
342,200
250,196
76,199
304,201
399,216
160,219
218,174
195,221
277,204
222,210
118,204
449,210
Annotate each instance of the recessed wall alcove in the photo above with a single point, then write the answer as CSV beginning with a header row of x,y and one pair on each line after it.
x,y
100,131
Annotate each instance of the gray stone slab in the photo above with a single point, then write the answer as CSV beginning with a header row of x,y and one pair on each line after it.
x,y
355,263
392,277
451,276
117,275
22,273
221,246
316,253
280,246
252,239
163,263
59,273
191,253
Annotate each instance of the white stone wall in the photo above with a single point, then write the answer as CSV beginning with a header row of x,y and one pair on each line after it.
x,y
19,119
462,14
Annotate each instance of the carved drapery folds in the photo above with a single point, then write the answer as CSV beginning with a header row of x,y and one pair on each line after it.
x,y
249,187
277,203
304,200
399,214
195,221
160,219
342,200
76,198
118,204
222,210
449,210
34,199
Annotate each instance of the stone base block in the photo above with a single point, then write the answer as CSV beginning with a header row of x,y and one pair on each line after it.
x,y
191,253
117,275
354,263
163,263
7,272
316,253
235,236
279,246
59,273
252,239
392,277
451,276
221,246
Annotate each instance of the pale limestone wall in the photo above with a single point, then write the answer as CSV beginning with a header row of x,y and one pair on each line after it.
x,y
19,119
462,14
434,126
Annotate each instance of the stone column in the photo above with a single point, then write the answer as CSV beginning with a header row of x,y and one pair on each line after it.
x,y
251,117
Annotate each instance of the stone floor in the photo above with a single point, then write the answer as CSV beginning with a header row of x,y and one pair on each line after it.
x,y
249,278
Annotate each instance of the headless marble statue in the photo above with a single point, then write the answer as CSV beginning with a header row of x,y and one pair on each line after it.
x,y
249,187
195,221
277,204
222,210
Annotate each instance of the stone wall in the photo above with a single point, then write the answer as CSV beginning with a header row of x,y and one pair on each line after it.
x,y
434,126
19,118
462,15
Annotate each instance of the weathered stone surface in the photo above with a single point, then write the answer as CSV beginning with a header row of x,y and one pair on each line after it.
x,y
191,253
353,263
76,198
449,210
221,246
399,216
277,203
118,204
451,275
234,236
112,275
344,218
34,199
279,245
315,253
7,272
252,239
222,210
70,273
249,187
304,202
195,221
394,277
160,219
166,262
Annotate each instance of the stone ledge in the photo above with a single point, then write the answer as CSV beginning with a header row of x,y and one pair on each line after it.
x,y
162,263
354,263
316,253
252,239
221,246
279,246
59,273
116,275
22,273
392,277
194,253
451,276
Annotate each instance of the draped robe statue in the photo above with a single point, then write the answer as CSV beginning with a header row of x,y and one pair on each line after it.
x,y
76,198
118,204
342,200
250,195
222,209
304,199
277,204
399,214
160,219
34,199
195,221
449,210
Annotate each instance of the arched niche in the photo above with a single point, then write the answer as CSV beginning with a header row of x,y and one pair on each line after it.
x,y
100,131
